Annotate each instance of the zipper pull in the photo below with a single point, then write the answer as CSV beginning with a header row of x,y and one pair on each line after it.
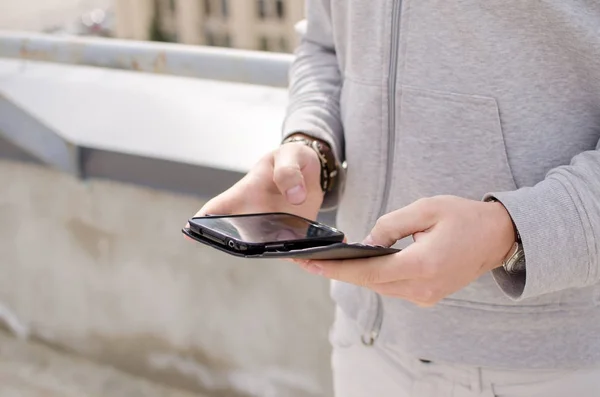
x,y
369,338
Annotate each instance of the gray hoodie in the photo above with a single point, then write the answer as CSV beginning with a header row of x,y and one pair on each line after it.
x,y
469,98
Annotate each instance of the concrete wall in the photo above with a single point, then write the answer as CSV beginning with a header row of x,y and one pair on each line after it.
x,y
101,269
29,369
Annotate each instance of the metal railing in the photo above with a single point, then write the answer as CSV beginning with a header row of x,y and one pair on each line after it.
x,y
32,139
222,64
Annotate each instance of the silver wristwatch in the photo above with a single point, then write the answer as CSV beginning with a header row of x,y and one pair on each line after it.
x,y
514,262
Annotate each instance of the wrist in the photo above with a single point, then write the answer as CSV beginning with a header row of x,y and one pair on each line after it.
x,y
506,234
329,167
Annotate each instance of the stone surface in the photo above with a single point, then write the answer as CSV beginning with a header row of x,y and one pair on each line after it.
x,y
28,369
101,269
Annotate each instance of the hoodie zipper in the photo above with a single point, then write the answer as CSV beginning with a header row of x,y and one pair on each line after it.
x,y
393,78
370,337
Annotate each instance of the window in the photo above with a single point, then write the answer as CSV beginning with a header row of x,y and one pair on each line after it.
x,y
283,45
210,39
226,40
280,7
263,44
216,39
271,9
262,9
224,8
278,44
216,8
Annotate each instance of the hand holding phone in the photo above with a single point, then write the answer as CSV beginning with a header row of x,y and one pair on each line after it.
x,y
276,235
284,180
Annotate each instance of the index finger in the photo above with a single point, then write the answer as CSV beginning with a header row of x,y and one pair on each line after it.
x,y
222,205
394,226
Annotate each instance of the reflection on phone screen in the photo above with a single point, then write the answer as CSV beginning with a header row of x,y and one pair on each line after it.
x,y
265,228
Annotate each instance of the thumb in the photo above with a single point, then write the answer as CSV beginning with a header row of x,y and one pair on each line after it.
x,y
292,161
414,218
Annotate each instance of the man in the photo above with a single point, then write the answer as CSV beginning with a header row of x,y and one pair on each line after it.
x,y
472,127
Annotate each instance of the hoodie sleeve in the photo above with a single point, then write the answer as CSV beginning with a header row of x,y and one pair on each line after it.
x,y
315,85
559,223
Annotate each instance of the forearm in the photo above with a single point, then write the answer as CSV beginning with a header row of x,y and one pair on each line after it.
x,y
559,223
314,107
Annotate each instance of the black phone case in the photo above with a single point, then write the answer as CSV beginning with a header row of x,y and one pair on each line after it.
x,y
332,251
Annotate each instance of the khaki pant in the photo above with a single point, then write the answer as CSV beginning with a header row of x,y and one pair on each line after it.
x,y
377,371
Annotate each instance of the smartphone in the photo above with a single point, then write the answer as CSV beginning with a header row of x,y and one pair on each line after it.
x,y
277,235
255,234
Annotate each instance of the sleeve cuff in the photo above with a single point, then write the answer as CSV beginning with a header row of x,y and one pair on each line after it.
x,y
553,238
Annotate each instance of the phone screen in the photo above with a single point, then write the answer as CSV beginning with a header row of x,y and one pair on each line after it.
x,y
267,228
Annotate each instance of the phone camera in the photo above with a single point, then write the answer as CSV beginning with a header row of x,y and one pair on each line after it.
x,y
231,244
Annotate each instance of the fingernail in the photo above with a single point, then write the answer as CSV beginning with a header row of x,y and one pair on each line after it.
x,y
314,269
296,195
368,240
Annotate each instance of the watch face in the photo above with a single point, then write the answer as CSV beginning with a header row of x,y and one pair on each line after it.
x,y
516,263
520,262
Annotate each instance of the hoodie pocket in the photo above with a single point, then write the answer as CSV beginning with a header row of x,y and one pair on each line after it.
x,y
448,143
453,144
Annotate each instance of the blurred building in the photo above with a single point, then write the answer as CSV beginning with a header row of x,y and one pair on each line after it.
x,y
72,17
266,25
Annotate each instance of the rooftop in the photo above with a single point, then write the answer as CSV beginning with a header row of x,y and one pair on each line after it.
x,y
183,118
209,123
